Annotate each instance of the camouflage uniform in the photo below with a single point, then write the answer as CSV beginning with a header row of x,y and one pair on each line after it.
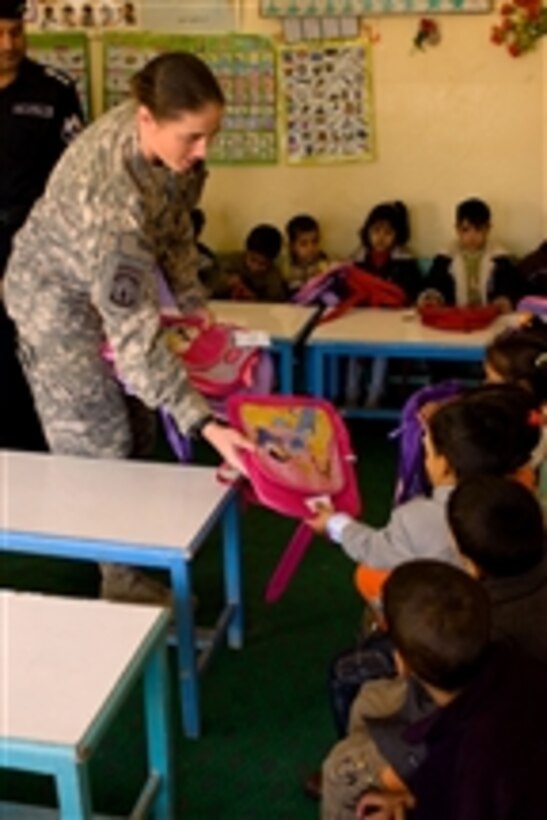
x,y
82,271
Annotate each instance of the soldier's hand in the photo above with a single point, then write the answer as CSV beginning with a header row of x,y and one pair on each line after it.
x,y
228,442
206,317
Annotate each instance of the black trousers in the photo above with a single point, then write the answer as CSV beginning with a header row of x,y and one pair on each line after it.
x,y
20,427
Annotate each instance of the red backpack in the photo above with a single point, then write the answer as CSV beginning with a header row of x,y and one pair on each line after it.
x,y
459,319
346,287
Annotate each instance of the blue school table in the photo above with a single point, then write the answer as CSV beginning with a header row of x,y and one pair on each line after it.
x,y
134,513
67,666
285,325
371,332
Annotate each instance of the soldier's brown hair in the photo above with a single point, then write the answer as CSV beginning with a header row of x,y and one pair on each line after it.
x,y
175,82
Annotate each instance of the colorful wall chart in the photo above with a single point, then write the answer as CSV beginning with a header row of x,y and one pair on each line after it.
x,y
365,8
245,68
326,99
67,52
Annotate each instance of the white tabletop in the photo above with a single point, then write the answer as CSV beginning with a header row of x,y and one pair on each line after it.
x,y
140,503
280,321
61,658
377,326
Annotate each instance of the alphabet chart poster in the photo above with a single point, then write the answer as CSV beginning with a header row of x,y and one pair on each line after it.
x,y
246,69
325,90
69,53
365,8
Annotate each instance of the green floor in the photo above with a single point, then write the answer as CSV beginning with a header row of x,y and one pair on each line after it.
x,y
266,718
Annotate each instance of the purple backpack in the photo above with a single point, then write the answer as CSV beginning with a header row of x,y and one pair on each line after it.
x,y
534,304
411,476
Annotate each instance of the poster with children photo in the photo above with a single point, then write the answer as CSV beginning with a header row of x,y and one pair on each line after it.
x,y
326,102
67,15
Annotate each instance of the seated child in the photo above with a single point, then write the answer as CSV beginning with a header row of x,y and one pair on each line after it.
x,y
384,237
486,740
486,431
519,356
254,275
208,263
497,527
474,271
306,259
533,271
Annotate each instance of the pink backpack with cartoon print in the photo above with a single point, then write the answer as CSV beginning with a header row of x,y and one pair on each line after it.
x,y
303,455
216,364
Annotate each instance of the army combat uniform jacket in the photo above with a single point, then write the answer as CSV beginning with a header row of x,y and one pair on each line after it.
x,y
83,271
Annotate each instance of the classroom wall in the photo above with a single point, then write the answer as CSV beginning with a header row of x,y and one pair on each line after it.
x,y
460,119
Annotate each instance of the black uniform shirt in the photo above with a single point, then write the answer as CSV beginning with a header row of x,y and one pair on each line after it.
x,y
39,114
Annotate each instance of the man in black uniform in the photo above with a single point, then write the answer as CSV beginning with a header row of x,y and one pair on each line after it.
x,y
39,114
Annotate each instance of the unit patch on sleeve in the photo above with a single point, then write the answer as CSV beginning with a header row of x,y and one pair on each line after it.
x,y
125,288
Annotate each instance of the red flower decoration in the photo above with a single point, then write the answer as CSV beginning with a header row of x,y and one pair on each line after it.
x,y
522,23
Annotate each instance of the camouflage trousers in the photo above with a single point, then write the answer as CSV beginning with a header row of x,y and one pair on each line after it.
x,y
83,409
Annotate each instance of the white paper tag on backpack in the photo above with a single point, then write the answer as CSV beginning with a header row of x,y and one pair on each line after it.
x,y
316,502
252,338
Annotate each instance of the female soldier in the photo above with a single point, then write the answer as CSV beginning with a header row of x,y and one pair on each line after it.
x,y
117,207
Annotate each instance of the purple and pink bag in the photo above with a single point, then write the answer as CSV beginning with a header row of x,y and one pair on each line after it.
x,y
303,455
348,286
411,475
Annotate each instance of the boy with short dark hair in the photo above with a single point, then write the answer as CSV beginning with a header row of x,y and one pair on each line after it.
x,y
486,740
306,259
498,528
473,271
253,275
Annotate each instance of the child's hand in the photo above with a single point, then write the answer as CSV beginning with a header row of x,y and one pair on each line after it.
x,y
430,298
319,521
384,806
503,304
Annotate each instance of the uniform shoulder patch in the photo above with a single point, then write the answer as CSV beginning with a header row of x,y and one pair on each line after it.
x,y
125,287
57,74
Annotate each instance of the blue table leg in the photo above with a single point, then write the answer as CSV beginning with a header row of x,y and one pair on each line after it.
x,y
316,375
231,538
186,639
73,788
160,760
285,367
333,376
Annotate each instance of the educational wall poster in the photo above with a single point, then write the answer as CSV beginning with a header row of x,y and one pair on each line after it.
x,y
190,16
365,8
68,15
67,52
326,102
245,68
296,29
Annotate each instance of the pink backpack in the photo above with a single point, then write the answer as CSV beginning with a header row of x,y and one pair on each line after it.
x,y
303,454
216,365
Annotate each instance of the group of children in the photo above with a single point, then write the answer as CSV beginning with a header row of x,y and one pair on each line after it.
x,y
440,709
473,271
